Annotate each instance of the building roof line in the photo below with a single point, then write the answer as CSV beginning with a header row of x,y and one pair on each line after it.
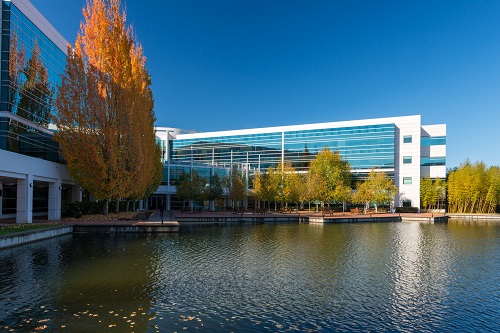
x,y
287,128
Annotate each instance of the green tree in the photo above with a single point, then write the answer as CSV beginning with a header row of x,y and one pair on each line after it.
x,y
190,186
377,189
214,190
236,186
332,176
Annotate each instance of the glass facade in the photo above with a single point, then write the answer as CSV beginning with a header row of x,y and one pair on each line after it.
x,y
363,147
31,66
433,141
430,161
262,150
428,141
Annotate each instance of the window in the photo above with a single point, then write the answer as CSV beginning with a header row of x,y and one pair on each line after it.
x,y
406,159
406,180
407,139
406,203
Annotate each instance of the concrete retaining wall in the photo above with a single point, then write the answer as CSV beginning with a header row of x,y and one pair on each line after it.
x,y
145,229
475,217
33,236
435,219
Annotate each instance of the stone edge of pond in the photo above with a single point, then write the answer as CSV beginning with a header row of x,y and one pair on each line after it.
x,y
24,237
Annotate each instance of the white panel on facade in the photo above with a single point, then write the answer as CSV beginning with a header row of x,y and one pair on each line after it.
x,y
435,130
437,151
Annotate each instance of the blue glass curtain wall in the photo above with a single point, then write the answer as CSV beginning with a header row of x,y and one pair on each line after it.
x,y
363,147
31,66
432,141
204,171
430,161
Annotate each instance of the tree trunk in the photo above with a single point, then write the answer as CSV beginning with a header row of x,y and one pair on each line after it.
x,y
105,207
117,207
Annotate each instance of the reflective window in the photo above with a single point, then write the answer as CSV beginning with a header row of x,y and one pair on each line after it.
x,y
363,147
407,139
407,180
406,159
432,141
430,161
31,66
26,140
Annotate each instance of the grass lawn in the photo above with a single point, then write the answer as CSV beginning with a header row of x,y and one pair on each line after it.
x,y
10,229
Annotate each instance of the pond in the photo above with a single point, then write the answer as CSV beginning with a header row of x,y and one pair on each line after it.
x,y
389,277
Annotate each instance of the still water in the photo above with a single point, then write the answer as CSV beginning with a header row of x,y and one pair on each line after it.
x,y
387,277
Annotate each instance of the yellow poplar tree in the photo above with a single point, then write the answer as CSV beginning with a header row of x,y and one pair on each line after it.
x,y
332,177
105,109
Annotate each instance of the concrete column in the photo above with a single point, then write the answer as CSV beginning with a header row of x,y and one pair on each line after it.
x,y
168,201
24,213
55,200
76,194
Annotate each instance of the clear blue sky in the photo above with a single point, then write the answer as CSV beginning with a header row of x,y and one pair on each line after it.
x,y
234,64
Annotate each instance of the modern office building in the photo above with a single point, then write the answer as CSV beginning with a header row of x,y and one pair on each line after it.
x,y
399,146
33,181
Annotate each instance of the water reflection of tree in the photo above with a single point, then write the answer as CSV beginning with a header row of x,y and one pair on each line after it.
x,y
36,92
30,92
17,56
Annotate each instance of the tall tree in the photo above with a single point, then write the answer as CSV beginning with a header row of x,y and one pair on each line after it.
x,y
473,188
105,109
431,192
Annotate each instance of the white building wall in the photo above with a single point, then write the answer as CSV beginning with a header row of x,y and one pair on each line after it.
x,y
407,126
26,170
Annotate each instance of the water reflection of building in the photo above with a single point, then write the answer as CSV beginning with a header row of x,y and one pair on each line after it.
x,y
398,146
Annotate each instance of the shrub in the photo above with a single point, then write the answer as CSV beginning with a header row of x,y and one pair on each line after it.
x,y
74,209
406,209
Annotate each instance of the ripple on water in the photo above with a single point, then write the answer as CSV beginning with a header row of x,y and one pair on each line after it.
x,y
369,277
